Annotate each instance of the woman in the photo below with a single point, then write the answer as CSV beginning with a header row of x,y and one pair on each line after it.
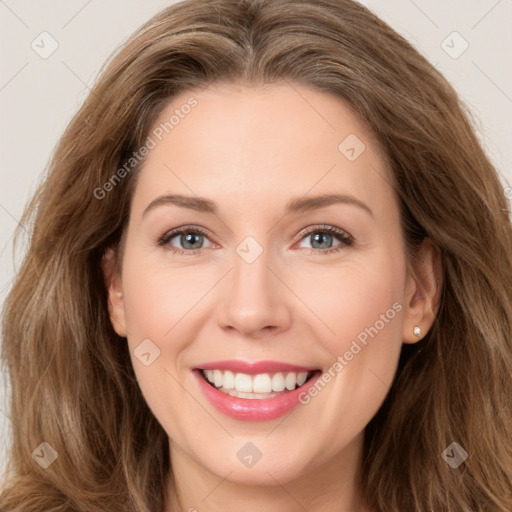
x,y
270,268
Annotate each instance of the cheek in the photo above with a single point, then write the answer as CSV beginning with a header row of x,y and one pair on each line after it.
x,y
155,296
362,306
358,302
156,305
365,313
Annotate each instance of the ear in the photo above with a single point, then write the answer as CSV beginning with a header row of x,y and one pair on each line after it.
x,y
423,291
113,284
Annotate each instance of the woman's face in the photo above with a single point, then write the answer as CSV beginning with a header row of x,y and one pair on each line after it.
x,y
268,285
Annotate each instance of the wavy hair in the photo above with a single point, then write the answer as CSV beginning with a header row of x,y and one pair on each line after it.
x,y
73,385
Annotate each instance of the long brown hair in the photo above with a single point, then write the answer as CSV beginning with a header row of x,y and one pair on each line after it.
x,y
73,385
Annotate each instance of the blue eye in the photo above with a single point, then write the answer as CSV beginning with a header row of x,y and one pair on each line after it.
x,y
188,237
191,239
319,235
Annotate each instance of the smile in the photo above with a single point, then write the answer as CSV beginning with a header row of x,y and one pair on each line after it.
x,y
263,385
254,391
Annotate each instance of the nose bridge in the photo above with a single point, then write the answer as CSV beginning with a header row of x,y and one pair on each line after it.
x,y
255,299
251,268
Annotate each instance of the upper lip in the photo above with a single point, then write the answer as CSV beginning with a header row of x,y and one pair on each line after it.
x,y
254,368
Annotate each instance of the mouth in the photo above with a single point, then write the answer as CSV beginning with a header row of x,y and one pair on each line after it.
x,y
258,386
254,391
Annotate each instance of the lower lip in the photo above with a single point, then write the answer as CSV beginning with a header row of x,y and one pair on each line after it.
x,y
246,409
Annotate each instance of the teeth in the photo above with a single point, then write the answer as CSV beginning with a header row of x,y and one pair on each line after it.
x,y
218,379
301,378
255,384
250,396
243,382
278,383
228,380
290,381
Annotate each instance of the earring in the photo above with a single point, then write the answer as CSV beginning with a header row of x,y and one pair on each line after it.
x,y
417,331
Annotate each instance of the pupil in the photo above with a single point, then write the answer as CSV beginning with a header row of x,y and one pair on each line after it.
x,y
316,236
188,239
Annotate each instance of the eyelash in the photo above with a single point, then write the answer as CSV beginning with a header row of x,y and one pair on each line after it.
x,y
345,239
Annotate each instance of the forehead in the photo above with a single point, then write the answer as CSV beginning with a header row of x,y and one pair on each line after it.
x,y
244,145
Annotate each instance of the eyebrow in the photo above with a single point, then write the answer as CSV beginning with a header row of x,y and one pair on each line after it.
x,y
297,205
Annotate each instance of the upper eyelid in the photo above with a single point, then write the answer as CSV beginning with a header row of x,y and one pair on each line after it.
x,y
329,228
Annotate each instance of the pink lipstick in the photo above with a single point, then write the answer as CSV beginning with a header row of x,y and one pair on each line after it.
x,y
258,391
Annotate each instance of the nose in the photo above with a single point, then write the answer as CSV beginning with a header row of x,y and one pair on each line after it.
x,y
255,302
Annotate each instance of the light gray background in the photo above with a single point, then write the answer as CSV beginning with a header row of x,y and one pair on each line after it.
x,y
39,96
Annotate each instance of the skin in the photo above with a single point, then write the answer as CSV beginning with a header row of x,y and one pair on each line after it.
x,y
251,150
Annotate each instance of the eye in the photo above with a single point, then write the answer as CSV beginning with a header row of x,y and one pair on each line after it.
x,y
321,238
190,237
